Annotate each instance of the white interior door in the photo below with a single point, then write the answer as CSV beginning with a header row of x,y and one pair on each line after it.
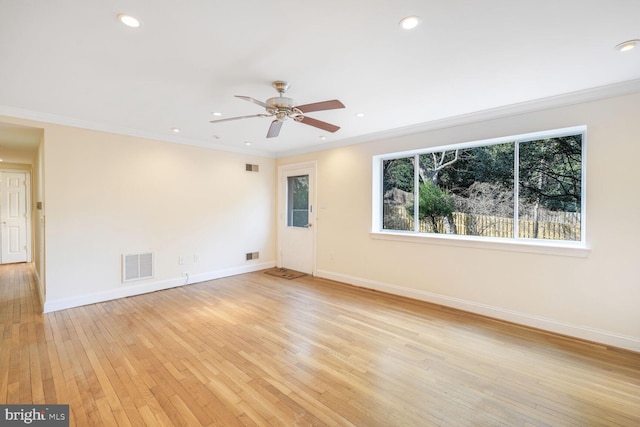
x,y
13,214
296,219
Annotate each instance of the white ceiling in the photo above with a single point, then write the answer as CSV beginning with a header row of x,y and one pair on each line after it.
x,y
73,62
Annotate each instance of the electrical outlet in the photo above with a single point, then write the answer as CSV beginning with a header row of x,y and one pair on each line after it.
x,y
196,258
181,260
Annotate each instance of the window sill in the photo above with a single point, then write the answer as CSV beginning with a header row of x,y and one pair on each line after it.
x,y
545,247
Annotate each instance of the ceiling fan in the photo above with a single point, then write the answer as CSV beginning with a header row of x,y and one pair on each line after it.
x,y
283,108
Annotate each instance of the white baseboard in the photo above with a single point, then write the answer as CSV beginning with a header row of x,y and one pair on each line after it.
x,y
39,286
152,286
555,326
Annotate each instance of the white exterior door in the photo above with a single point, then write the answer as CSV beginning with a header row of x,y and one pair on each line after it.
x,y
13,214
296,219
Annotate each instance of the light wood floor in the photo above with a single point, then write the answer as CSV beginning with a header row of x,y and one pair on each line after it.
x,y
257,350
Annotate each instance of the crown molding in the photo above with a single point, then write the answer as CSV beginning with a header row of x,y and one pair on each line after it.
x,y
571,98
120,130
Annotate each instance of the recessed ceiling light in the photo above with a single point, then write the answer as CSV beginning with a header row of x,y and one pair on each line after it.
x,y
627,46
247,143
175,130
322,137
217,114
128,20
409,23
359,114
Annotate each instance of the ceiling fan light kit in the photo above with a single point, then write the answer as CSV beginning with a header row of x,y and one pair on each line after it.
x,y
282,108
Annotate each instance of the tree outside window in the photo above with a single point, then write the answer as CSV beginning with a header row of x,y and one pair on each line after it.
x,y
528,189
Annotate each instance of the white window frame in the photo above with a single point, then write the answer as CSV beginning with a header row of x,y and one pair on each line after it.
x,y
552,247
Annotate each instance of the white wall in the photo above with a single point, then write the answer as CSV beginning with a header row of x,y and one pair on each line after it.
x,y
108,194
38,220
595,297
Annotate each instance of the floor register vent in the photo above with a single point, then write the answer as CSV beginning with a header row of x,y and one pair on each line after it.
x,y
137,266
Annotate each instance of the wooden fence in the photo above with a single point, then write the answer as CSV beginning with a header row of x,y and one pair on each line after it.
x,y
551,225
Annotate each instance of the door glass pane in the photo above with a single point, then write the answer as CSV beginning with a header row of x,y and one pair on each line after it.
x,y
298,201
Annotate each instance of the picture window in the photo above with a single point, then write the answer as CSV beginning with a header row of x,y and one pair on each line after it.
x,y
528,188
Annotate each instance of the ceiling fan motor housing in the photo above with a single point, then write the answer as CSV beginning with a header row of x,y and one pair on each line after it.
x,y
280,104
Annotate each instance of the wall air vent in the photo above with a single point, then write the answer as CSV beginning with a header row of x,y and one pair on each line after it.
x,y
137,266
251,168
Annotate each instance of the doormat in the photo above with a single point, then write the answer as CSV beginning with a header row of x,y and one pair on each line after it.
x,y
284,273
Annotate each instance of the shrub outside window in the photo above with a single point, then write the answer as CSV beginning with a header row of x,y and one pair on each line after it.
x,y
528,187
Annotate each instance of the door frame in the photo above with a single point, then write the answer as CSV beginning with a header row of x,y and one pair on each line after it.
x,y
282,206
27,181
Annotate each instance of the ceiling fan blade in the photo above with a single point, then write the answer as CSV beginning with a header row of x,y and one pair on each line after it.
x,y
238,118
318,123
250,99
274,129
319,106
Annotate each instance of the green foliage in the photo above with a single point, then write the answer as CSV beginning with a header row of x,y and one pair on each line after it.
x,y
398,173
482,181
492,163
299,191
434,204
551,172
431,167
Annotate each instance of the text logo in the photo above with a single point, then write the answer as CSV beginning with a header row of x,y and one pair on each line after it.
x,y
34,415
